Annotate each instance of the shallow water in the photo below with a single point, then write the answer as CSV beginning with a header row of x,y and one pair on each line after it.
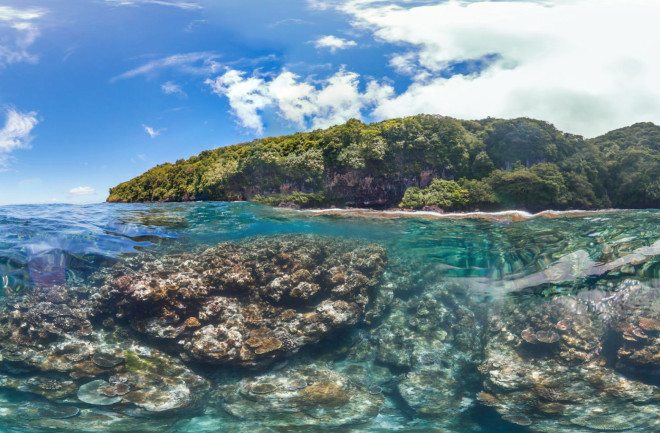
x,y
475,325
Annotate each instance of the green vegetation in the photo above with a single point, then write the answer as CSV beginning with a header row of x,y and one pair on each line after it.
x,y
420,161
301,199
450,195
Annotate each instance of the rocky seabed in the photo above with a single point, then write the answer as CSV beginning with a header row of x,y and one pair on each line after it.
x,y
297,333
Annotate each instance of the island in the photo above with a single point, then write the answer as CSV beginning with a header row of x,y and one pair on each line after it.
x,y
420,162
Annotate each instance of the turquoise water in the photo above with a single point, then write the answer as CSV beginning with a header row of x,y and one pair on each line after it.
x,y
467,325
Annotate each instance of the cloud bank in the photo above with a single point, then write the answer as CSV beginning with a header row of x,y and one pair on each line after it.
x,y
171,88
153,133
586,65
16,132
195,63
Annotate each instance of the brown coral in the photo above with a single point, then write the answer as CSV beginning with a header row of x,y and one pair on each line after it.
x,y
487,399
648,324
547,337
192,322
324,394
518,419
529,335
267,345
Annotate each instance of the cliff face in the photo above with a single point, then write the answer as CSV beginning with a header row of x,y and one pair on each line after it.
x,y
521,163
349,187
360,189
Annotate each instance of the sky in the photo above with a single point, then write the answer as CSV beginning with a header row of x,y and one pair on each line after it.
x,y
95,92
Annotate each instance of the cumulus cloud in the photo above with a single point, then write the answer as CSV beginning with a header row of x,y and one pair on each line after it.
x,y
333,43
586,65
24,32
82,190
196,63
305,103
16,132
171,88
153,133
172,3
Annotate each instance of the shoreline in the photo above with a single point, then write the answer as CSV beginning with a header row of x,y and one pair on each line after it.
x,y
500,216
509,215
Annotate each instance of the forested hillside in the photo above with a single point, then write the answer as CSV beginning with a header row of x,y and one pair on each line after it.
x,y
421,161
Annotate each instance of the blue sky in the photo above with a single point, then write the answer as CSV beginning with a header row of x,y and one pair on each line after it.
x,y
95,92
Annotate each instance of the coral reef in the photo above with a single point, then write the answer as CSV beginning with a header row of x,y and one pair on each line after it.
x,y
50,349
305,395
247,303
205,342
635,320
434,338
553,365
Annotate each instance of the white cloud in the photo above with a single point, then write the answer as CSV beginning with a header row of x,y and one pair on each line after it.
x,y
405,63
171,88
16,132
82,190
196,63
8,13
586,65
153,133
305,103
177,4
334,43
24,31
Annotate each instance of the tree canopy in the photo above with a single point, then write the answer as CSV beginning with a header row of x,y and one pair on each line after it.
x,y
417,161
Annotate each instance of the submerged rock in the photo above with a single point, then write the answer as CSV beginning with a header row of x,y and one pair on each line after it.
x,y
107,360
90,393
41,410
553,363
310,395
635,320
36,416
69,360
247,303
430,342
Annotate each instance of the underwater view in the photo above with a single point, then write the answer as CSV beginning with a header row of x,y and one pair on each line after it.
x,y
237,317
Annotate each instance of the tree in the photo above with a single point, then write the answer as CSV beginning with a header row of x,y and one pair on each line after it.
x,y
446,194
